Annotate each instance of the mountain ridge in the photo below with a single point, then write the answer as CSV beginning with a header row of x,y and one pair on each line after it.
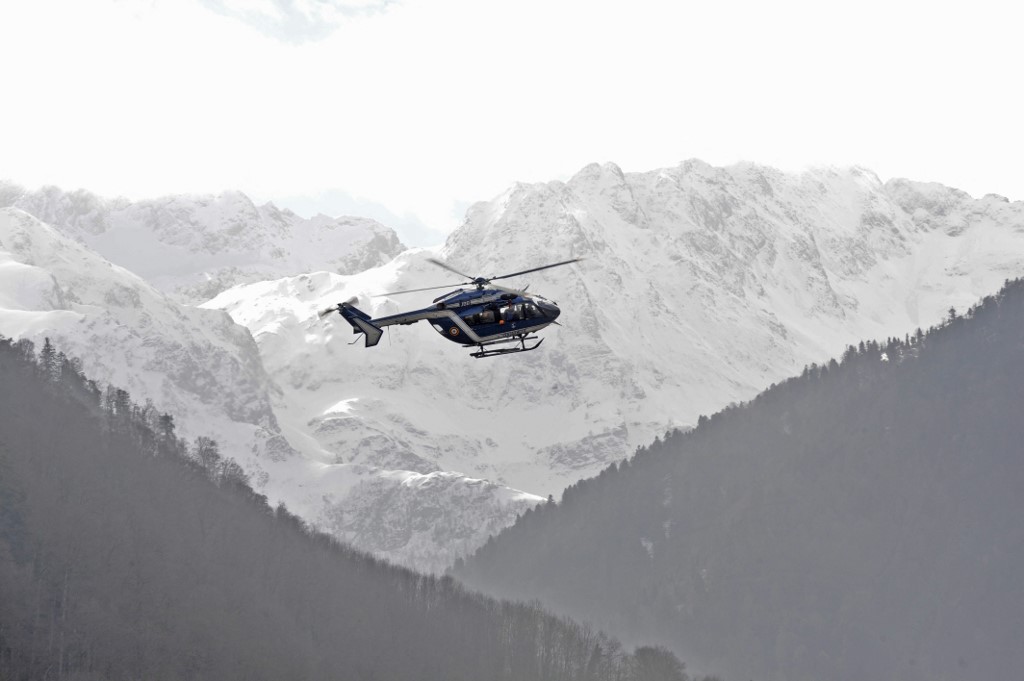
x,y
194,246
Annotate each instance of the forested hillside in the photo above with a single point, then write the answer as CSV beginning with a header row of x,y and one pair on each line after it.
x,y
126,553
860,521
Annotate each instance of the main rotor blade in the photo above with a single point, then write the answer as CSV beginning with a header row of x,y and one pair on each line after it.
x,y
417,290
517,291
536,269
448,267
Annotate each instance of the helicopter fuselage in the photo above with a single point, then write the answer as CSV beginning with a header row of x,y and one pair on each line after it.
x,y
474,317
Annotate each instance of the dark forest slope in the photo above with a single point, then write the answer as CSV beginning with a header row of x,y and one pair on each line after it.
x,y
862,521
125,554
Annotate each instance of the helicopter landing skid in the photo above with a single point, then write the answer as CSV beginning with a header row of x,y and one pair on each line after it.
x,y
522,347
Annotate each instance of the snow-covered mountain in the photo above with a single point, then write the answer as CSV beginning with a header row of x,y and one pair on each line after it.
x,y
196,364
206,371
193,247
700,287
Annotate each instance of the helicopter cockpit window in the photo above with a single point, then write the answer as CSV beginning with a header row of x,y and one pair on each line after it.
x,y
531,311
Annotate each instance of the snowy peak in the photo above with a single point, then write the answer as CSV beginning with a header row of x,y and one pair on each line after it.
x,y
79,212
737,228
933,206
193,247
609,184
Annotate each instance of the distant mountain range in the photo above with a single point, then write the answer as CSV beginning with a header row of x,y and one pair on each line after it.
x,y
699,287
193,247
859,521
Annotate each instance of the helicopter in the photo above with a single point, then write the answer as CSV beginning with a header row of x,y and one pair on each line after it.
x,y
493,319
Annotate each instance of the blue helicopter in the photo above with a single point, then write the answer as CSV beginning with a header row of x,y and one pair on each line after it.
x,y
494,319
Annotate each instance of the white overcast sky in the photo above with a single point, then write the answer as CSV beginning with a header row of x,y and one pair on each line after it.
x,y
409,110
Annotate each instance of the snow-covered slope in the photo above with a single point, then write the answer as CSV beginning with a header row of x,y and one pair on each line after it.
x,y
700,287
206,371
195,364
193,247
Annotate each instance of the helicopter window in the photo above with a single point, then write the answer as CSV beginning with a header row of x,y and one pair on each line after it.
x,y
514,312
483,317
530,311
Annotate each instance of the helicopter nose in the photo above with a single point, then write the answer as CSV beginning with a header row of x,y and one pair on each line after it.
x,y
551,310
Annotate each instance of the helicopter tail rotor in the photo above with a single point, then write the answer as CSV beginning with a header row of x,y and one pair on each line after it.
x,y
337,308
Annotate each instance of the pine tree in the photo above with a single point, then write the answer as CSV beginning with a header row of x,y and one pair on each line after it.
x,y
48,361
